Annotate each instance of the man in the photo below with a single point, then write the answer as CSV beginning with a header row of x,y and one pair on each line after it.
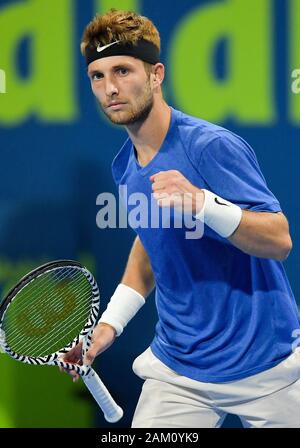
x,y
223,341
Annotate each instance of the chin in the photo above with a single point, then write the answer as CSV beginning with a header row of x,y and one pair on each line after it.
x,y
117,118
127,117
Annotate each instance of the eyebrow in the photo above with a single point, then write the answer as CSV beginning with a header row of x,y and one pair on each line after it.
x,y
115,67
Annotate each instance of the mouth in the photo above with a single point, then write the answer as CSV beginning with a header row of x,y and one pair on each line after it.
x,y
116,106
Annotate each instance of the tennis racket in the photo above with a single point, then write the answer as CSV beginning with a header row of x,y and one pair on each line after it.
x,y
49,311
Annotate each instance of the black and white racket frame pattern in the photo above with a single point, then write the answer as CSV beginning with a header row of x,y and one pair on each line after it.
x,y
84,335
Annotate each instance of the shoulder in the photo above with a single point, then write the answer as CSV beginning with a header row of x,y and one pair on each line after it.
x,y
202,138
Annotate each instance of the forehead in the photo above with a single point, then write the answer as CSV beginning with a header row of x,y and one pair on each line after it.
x,y
112,61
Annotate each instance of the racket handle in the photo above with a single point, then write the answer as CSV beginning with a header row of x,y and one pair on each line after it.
x,y
112,412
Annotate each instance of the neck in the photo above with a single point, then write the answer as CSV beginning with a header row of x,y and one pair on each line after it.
x,y
148,136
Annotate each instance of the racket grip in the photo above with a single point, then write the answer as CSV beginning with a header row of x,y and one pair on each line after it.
x,y
112,412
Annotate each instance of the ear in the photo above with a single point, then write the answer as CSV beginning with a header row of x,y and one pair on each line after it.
x,y
158,74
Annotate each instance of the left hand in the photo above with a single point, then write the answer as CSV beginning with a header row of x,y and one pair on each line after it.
x,y
172,189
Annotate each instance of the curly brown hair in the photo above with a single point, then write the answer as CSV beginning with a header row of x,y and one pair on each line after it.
x,y
120,25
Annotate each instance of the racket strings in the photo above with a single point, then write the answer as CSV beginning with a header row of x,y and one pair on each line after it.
x,y
22,310
26,291
51,336
48,313
40,319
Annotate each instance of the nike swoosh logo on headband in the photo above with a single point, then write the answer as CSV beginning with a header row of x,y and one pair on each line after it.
x,y
99,48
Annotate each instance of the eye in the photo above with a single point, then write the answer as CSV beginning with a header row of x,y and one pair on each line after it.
x,y
96,76
123,71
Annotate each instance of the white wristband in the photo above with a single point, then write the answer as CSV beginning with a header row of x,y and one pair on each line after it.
x,y
123,306
220,215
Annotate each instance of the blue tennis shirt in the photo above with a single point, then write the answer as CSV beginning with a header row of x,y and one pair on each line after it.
x,y
223,315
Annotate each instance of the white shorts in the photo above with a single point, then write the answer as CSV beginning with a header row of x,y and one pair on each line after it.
x,y
270,399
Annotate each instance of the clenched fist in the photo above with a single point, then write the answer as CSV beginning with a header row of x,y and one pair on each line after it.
x,y
172,189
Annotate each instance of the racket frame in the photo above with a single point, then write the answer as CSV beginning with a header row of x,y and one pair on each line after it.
x,y
84,335
112,412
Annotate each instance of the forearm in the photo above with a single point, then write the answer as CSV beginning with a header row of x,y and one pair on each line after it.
x,y
138,272
261,234
264,235
129,296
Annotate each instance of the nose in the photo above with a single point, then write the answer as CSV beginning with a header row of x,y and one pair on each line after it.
x,y
111,87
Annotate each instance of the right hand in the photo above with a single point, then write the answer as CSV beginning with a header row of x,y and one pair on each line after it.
x,y
103,337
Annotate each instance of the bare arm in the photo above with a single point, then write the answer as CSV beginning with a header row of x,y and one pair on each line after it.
x,y
263,234
138,272
138,275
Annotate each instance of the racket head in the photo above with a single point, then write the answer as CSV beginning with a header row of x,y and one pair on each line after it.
x,y
58,296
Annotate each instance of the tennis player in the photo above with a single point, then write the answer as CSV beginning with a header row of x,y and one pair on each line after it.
x,y
227,316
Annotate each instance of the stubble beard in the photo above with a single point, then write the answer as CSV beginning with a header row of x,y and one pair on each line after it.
x,y
138,113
